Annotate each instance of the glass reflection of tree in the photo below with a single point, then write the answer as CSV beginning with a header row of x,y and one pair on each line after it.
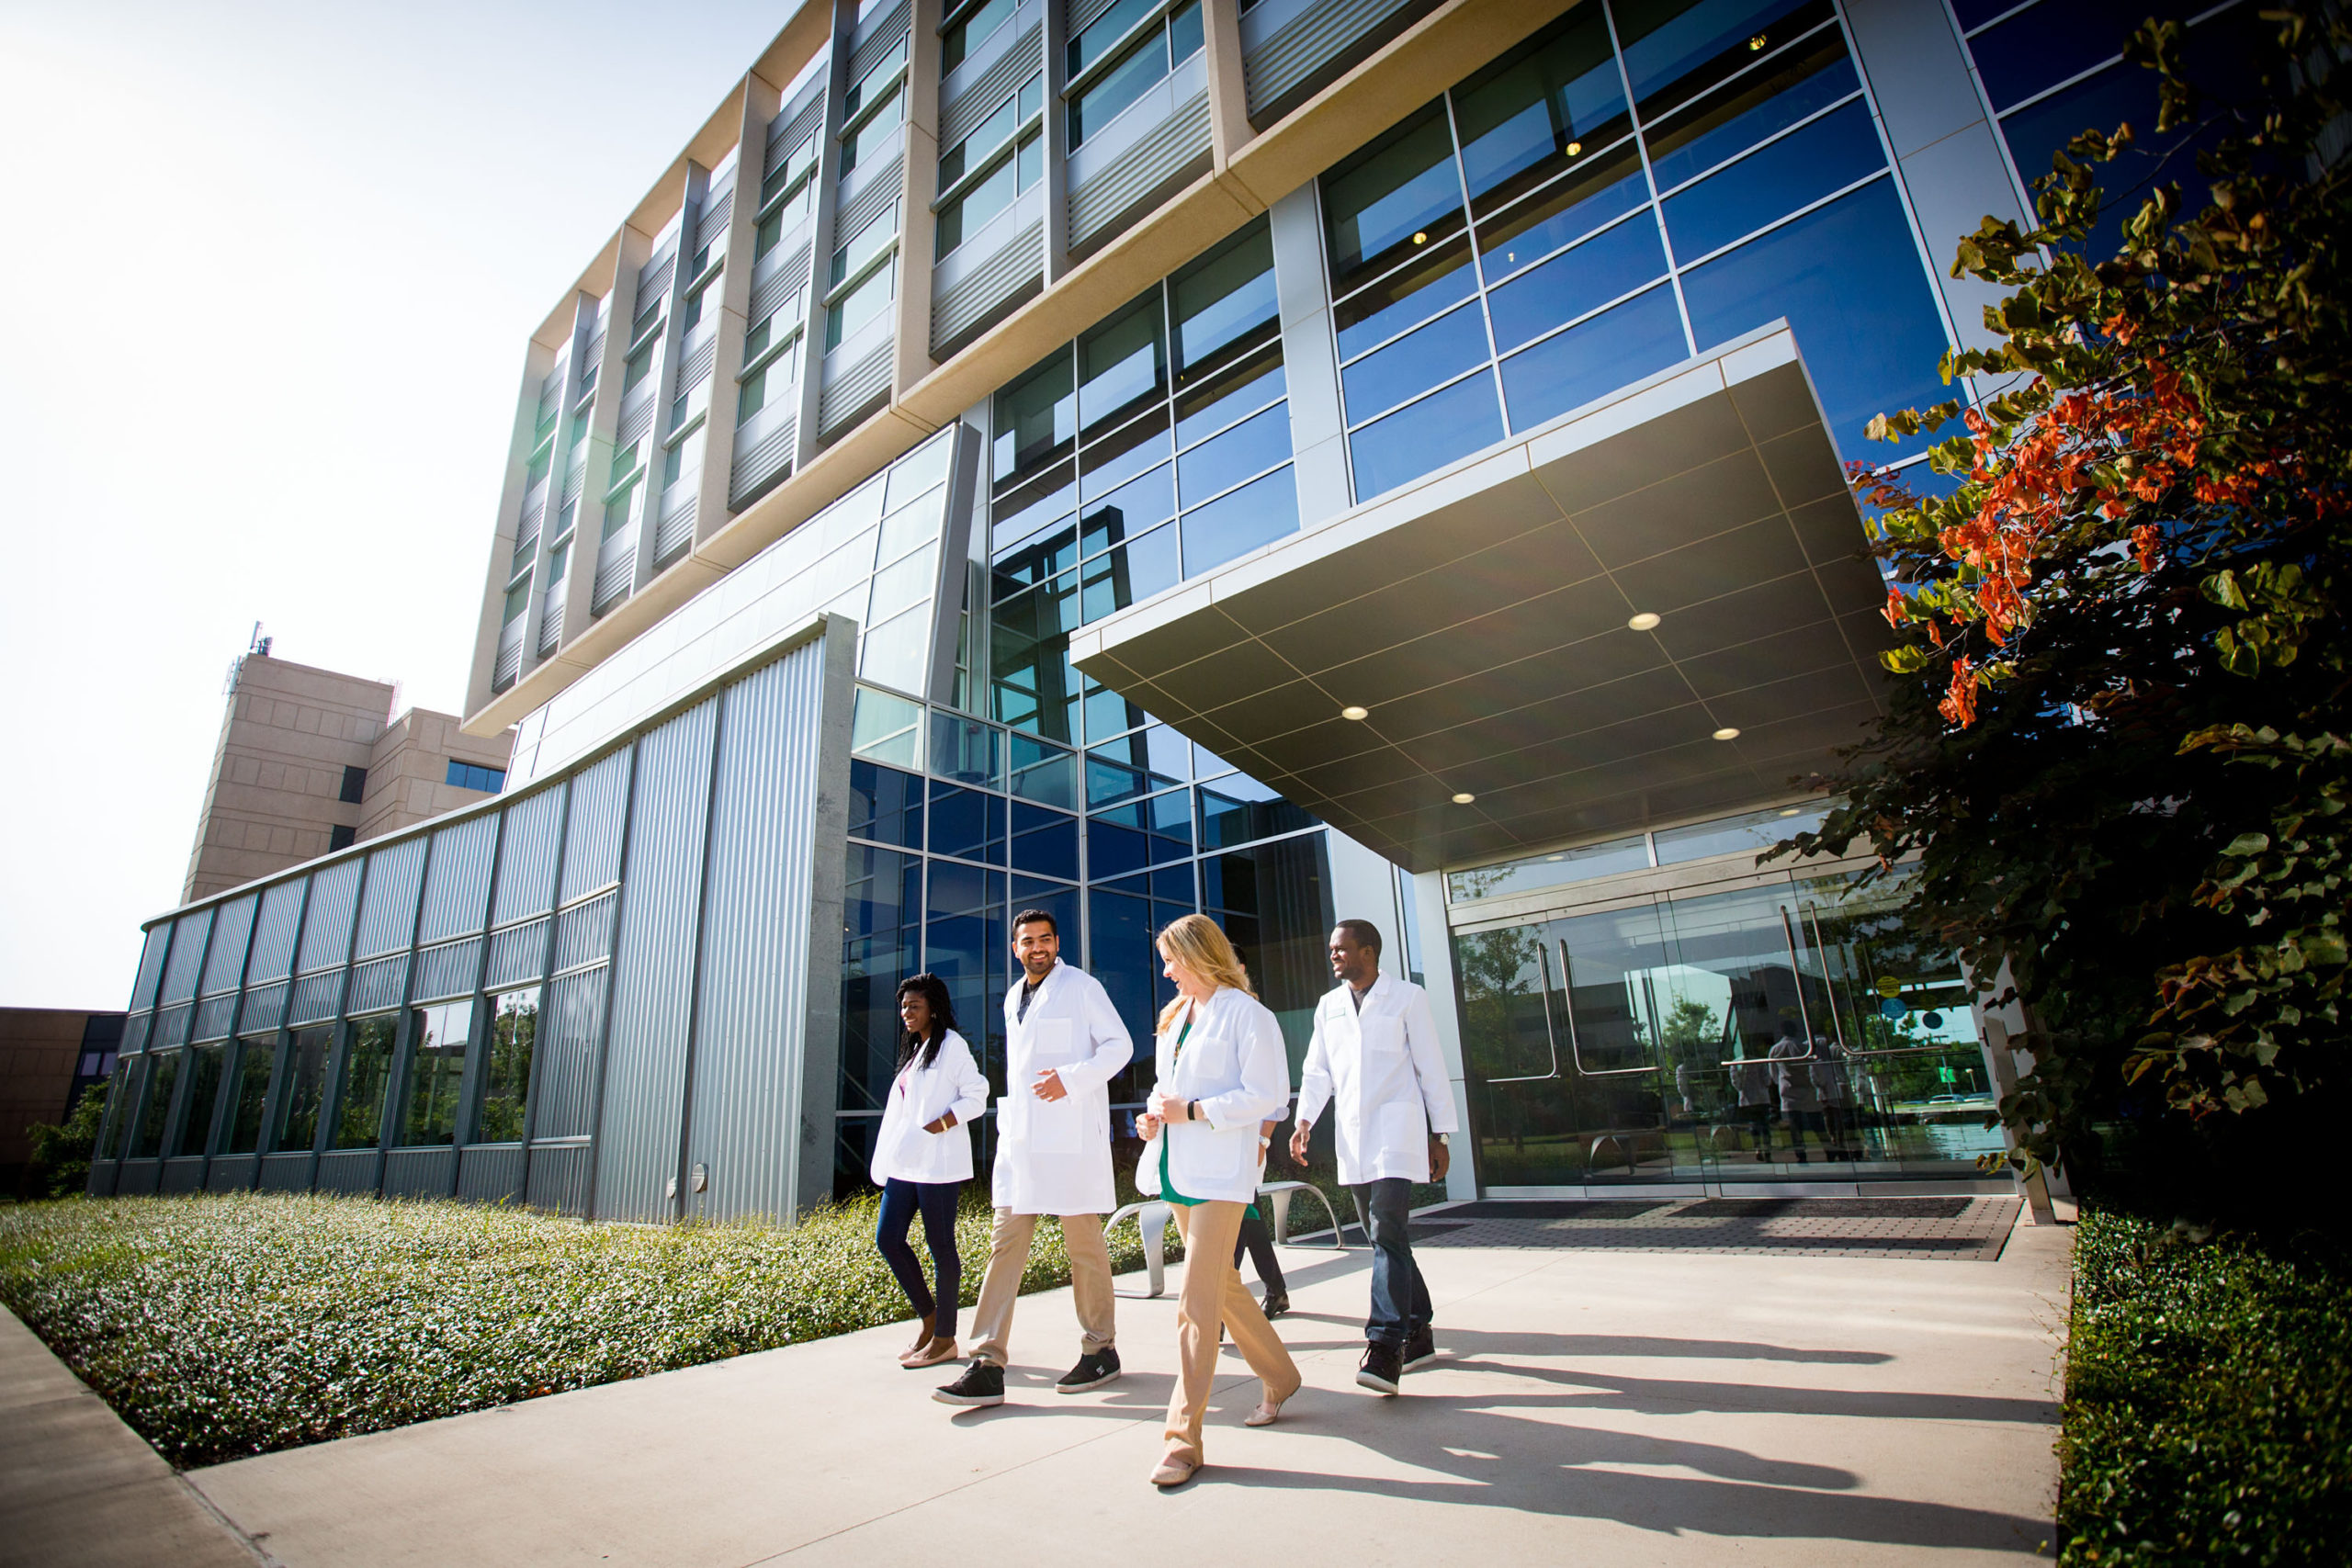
x,y
513,1032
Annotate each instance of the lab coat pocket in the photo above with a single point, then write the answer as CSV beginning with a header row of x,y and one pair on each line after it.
x,y
1050,1042
1205,1066
1398,1126
1384,1037
1054,1126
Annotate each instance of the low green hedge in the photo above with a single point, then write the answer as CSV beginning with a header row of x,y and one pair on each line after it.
x,y
2209,1400
224,1326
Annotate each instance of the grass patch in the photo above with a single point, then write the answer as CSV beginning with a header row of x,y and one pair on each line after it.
x,y
230,1325
2209,1400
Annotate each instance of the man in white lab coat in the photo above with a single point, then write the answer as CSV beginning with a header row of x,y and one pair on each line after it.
x,y
1376,1057
1064,1043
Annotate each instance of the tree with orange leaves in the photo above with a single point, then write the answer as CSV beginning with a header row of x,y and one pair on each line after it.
x,y
2115,767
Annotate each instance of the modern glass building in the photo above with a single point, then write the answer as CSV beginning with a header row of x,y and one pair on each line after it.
x,y
1289,459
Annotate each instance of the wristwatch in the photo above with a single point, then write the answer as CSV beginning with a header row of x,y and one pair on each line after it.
x,y
1192,1111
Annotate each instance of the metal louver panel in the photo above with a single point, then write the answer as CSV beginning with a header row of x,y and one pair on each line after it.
x,y
653,279
527,856
616,570
551,384
710,225
225,965
516,954
510,654
677,528
1079,13
420,1173
446,970
315,997
875,197
490,1173
1166,154
171,1026
326,929
388,913
533,515
852,392
760,465
793,127
575,474
595,352
551,618
583,933
592,840
961,116
151,966
457,879
1003,278
377,986
188,933
212,1016
636,419
695,369
1315,39
882,37
769,295
265,1009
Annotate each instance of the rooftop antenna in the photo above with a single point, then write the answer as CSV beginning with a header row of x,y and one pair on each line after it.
x,y
256,644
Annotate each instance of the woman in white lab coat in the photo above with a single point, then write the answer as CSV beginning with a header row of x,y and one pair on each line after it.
x,y
922,1156
1219,1071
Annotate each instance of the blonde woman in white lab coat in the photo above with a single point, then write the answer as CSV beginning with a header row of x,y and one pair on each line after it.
x,y
1219,1071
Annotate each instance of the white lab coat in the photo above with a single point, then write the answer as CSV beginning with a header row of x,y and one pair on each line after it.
x,y
1383,1069
1791,1068
919,1096
1055,1158
1233,1064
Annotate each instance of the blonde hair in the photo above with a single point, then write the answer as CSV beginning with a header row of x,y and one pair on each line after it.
x,y
1199,944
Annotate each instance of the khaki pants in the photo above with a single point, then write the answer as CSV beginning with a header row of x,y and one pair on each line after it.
x,y
1089,1278
1213,1296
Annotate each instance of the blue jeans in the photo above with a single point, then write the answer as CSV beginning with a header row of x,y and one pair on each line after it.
x,y
937,1202
1400,1301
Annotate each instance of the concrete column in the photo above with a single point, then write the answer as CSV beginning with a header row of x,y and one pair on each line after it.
x,y
1229,127
1310,357
1437,970
537,360
588,527
692,184
757,106
917,224
820,233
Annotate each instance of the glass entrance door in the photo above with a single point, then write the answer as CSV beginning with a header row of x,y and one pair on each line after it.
x,y
1773,1031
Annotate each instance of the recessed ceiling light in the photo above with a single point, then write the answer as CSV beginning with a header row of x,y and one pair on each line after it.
x,y
1420,237
1728,732
1574,148
1756,44
1463,797
1645,621
1352,711
1790,810
1555,857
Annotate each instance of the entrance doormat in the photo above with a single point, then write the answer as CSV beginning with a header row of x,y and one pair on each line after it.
x,y
1828,1208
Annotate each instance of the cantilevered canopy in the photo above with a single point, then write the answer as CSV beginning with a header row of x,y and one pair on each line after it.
x,y
1480,618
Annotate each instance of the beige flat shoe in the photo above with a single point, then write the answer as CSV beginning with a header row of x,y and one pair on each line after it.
x,y
932,1355
1173,1473
922,1341
1269,1411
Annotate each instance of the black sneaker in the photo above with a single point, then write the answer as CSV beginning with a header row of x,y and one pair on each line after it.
x,y
1420,1349
1382,1367
982,1384
1093,1369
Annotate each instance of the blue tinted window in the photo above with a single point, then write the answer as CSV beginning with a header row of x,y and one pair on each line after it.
x,y
1034,506
1249,448
1045,773
2064,37
1119,935
1174,881
1428,434
1130,573
885,804
1118,87
1578,282
1518,120
1606,187
1238,809
1225,299
1802,166
1615,349
1120,363
1108,782
881,945
1033,563
1109,714
1409,294
1135,507
1676,48
1848,279
1112,850
1029,649
473,776
1740,114
1239,521
1129,451
1413,364
963,937
1399,192
1044,841
967,824
1164,822
1217,402
1158,751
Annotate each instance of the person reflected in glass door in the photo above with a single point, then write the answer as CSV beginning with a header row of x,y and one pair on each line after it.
x,y
922,1156
1833,1083
1800,1099
1751,1081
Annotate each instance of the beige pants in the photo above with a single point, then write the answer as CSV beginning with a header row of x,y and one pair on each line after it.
x,y
1215,1296
1089,1278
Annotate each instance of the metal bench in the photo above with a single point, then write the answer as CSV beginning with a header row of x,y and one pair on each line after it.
x,y
1153,1217
1278,1195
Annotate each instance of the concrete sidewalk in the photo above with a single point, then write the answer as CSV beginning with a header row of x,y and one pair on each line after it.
x,y
1592,1404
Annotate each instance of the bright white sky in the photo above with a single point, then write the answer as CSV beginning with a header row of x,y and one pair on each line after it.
x,y
267,277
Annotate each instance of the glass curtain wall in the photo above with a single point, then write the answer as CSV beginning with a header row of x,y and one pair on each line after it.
x,y
1766,1031
1154,448
1642,182
956,826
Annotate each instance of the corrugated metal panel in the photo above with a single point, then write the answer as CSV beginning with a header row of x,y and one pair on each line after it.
x,y
963,114
285,1173
795,125
225,965
1080,13
1286,59
636,1147
265,1006
710,223
182,1176
583,933
138,1178
326,929
880,35
1161,157
103,1175
377,985
752,1012
457,880
561,1176
515,955
787,278
1004,277
346,1170
230,1173
448,970
526,859
676,530
490,1173
694,368
653,279
591,842
849,394
616,570
171,1026
187,955
212,1016
760,465
151,966
872,200
315,997
420,1173
388,914
134,1031
637,418
570,1026
281,914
